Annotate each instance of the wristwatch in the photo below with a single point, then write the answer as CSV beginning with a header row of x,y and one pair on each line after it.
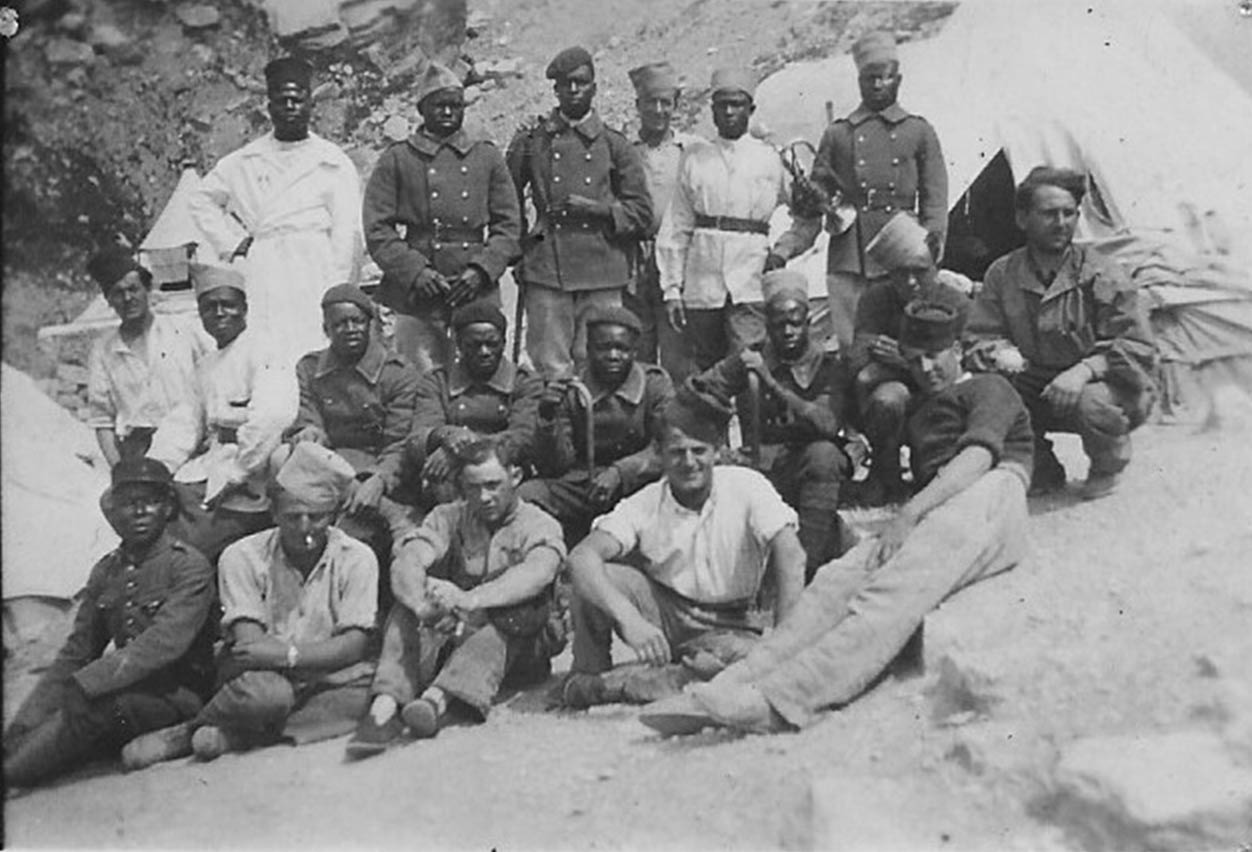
x,y
293,656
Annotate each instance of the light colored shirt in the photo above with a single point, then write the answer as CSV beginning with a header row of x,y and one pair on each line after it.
x,y
715,555
660,166
242,403
258,584
301,204
134,385
744,179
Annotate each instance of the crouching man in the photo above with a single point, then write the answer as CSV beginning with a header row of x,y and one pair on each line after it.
x,y
473,587
298,602
972,451
150,598
703,538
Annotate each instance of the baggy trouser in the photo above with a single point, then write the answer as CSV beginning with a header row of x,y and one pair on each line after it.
x,y
809,477
265,706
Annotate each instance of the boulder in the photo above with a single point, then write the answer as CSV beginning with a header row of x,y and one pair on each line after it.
x,y
1179,790
198,16
107,38
66,51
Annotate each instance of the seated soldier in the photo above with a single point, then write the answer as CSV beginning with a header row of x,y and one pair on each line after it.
x,y
625,400
481,393
218,441
473,586
298,602
140,655
675,568
801,412
1076,319
356,397
882,385
971,444
140,371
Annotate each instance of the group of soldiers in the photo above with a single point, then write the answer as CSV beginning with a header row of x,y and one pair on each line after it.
x,y
377,535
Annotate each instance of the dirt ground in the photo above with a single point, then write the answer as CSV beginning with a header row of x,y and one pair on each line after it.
x,y
1118,622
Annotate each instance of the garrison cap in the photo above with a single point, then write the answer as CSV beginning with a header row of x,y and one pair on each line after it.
x,y
875,46
351,294
288,69
614,315
698,412
782,284
729,80
568,60
930,326
480,311
314,474
206,279
112,264
436,78
654,79
901,244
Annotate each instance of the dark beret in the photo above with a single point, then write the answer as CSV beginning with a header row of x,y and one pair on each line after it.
x,y
568,60
930,326
614,315
288,69
479,311
351,294
112,264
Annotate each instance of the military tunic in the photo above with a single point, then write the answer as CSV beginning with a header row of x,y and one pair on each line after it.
x,y
625,424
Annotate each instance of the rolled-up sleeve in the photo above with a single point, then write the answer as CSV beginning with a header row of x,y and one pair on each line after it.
x,y
356,591
241,579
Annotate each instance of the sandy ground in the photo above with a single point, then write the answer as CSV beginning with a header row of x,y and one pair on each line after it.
x,y
1117,623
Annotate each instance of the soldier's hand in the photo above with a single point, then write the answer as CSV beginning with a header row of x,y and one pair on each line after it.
x,y
265,653
584,206
314,434
774,261
430,284
606,486
366,495
886,350
438,466
551,400
676,314
753,360
894,536
647,641
447,595
458,440
466,286
1064,391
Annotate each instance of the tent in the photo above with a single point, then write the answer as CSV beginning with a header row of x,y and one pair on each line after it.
x,y
1151,98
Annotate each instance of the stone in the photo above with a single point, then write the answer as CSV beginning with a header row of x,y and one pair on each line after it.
x,y
66,51
107,38
1178,790
72,23
198,16
500,68
298,19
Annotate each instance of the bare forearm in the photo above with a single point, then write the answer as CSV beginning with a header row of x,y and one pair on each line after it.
x,y
331,654
519,583
787,559
591,582
956,476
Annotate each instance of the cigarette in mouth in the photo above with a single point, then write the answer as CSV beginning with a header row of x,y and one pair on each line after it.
x,y
308,540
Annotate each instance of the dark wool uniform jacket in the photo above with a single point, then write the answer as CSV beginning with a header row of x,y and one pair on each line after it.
x,y
456,204
883,162
156,614
557,160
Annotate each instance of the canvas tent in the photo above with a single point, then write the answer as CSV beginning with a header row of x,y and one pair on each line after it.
x,y
1137,94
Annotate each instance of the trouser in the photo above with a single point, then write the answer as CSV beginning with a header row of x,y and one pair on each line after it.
x,y
58,726
658,342
266,706
882,400
1103,418
211,531
470,667
844,290
809,477
726,632
426,338
556,331
380,528
855,618
713,333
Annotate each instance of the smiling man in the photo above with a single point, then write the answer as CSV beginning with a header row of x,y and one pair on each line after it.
x,y
591,203
675,569
971,444
287,208
441,220
140,654
140,371
714,239
1076,318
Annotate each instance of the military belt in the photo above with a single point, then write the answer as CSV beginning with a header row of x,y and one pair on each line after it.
x,y
453,234
733,223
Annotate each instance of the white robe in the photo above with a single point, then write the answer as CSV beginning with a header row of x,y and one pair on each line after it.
x,y
301,204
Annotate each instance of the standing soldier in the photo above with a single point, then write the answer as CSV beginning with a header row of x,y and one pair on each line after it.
x,y
660,146
714,239
883,159
441,221
287,204
591,205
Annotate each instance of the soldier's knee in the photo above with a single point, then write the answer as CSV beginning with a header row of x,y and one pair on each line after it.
x,y
265,694
1099,411
824,460
890,398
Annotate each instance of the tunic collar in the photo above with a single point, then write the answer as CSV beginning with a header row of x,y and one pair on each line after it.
x,y
312,144
1066,277
893,114
588,128
430,145
804,369
459,381
159,547
370,365
630,390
